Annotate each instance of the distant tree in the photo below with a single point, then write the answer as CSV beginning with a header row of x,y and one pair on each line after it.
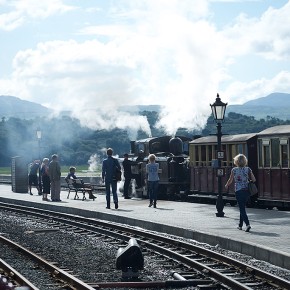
x,y
76,144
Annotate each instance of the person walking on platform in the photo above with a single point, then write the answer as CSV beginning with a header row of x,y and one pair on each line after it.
x,y
45,178
109,167
152,169
54,174
241,174
32,177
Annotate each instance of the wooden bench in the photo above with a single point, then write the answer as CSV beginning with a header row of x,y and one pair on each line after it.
x,y
77,185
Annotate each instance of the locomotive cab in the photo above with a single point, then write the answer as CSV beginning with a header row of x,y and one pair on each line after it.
x,y
171,155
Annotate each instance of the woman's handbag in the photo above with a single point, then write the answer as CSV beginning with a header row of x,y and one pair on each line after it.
x,y
252,188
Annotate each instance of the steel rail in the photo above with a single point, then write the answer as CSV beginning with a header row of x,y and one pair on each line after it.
x,y
83,223
55,271
16,276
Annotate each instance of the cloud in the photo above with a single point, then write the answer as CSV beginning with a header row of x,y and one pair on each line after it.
x,y
267,36
147,52
267,39
258,88
20,11
167,60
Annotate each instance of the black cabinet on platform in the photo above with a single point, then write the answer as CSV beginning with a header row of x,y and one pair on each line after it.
x,y
19,175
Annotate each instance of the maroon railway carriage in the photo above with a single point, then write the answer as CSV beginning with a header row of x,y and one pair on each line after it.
x,y
268,156
273,167
203,163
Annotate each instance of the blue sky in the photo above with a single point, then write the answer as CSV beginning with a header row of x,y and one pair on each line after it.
x,y
81,55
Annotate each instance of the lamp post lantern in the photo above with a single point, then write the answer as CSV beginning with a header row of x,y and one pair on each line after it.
x,y
218,111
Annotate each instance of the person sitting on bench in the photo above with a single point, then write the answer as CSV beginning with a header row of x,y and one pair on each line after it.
x,y
71,175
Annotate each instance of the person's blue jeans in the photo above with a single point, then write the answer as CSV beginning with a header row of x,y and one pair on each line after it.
x,y
108,185
153,188
242,197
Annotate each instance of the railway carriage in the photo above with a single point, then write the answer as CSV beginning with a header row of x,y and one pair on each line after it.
x,y
188,167
273,167
203,163
268,156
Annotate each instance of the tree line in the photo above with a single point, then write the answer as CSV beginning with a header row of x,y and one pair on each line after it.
x,y
76,144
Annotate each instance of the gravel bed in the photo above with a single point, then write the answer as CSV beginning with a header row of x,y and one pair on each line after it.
x,y
92,258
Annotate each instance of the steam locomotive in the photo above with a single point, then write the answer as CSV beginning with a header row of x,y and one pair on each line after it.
x,y
189,166
172,156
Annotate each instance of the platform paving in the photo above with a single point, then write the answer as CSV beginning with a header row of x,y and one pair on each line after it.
x,y
268,240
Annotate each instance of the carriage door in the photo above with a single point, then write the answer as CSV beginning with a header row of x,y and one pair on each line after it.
x,y
279,168
276,181
285,176
264,168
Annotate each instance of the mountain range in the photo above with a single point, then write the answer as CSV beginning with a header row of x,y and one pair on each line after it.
x,y
14,107
275,105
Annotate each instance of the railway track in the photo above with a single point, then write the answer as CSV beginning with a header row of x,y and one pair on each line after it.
x,y
190,264
57,277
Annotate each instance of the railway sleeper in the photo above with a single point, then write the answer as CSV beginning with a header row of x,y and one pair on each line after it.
x,y
212,287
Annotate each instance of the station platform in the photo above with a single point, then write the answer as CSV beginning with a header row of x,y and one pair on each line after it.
x,y
268,240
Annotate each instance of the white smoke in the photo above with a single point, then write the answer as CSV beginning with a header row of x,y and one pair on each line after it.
x,y
162,55
113,118
94,163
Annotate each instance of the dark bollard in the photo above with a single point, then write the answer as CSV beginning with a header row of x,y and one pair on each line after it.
x,y
130,259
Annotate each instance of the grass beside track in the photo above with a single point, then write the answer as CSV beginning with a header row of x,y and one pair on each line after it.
x,y
81,170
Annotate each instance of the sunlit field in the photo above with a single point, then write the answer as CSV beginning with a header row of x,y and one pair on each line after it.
x,y
81,170
5,170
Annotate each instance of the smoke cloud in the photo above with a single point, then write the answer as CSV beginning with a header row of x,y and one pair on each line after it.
x,y
165,52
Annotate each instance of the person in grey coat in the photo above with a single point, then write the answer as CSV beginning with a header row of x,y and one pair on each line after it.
x,y
54,174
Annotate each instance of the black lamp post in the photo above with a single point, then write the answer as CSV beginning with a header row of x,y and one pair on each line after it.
x,y
218,110
38,135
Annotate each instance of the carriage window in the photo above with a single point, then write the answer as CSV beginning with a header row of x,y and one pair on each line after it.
x,y
266,150
260,153
284,150
196,154
203,153
246,150
230,156
275,152
209,153
224,161
240,149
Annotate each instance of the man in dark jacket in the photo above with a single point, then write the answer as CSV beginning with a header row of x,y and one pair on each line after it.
x,y
109,167
33,178
127,174
54,174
